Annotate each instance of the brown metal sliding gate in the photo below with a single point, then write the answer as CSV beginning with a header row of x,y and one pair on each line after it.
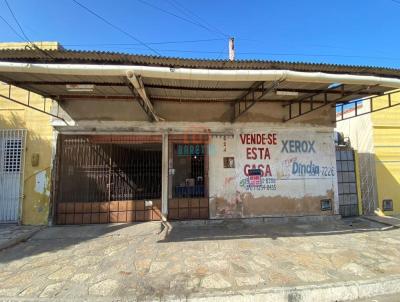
x,y
103,179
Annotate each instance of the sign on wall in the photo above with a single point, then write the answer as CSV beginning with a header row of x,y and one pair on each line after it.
x,y
283,162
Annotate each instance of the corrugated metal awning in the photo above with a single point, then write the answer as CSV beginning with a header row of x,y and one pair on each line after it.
x,y
115,58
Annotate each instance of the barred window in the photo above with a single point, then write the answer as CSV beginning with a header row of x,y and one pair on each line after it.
x,y
12,155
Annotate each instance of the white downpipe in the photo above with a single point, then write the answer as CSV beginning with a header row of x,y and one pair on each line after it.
x,y
198,74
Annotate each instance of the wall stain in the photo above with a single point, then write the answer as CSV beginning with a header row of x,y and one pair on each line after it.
x,y
246,205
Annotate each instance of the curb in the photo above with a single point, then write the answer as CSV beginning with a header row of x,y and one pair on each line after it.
x,y
381,221
258,220
328,292
18,239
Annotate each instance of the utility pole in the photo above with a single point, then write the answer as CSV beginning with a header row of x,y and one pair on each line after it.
x,y
231,49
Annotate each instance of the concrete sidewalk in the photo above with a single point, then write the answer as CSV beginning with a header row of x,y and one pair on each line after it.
x,y
11,234
387,220
235,261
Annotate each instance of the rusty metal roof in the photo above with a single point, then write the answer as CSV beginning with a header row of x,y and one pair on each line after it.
x,y
115,58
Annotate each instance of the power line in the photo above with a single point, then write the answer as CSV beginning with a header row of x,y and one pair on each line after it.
x,y
16,21
278,54
317,55
176,16
124,44
183,9
271,54
148,43
12,28
23,33
115,27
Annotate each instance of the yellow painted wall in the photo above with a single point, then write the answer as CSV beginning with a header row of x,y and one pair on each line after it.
x,y
386,136
35,204
36,198
47,45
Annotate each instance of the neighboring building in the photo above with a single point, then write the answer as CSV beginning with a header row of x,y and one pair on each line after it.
x,y
25,153
137,137
376,137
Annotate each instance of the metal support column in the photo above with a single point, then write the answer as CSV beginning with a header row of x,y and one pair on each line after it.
x,y
164,175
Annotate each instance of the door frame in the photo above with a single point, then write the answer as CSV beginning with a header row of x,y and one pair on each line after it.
x,y
15,134
200,201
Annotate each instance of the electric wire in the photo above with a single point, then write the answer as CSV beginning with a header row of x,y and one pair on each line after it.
x,y
12,28
176,16
23,32
188,12
138,44
171,42
115,26
395,1
16,20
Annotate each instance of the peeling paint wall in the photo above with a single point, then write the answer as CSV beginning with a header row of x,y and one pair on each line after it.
x,y
297,166
35,201
294,194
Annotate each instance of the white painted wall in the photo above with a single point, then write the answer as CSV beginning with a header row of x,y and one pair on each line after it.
x,y
231,185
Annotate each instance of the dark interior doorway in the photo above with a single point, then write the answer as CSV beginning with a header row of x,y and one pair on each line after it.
x,y
189,178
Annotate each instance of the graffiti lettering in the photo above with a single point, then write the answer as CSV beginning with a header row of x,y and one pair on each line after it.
x,y
266,184
257,153
328,171
305,169
296,146
258,139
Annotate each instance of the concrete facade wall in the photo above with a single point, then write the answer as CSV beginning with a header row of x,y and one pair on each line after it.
x,y
298,163
130,110
298,170
36,195
285,189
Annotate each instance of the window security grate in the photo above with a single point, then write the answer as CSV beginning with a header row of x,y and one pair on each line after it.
x,y
12,155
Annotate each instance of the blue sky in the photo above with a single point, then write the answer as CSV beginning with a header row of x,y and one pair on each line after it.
x,y
360,32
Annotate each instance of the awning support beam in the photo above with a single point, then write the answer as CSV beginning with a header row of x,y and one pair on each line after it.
x,y
312,108
27,104
169,87
249,98
136,85
343,109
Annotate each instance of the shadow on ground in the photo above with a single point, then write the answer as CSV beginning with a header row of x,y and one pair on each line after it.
x,y
59,238
240,229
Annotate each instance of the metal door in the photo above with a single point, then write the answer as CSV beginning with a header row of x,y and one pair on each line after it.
x,y
347,184
12,144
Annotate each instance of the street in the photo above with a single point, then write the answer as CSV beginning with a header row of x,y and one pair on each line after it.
x,y
138,262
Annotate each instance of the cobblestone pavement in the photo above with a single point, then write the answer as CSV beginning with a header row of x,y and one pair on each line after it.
x,y
384,298
137,261
11,234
